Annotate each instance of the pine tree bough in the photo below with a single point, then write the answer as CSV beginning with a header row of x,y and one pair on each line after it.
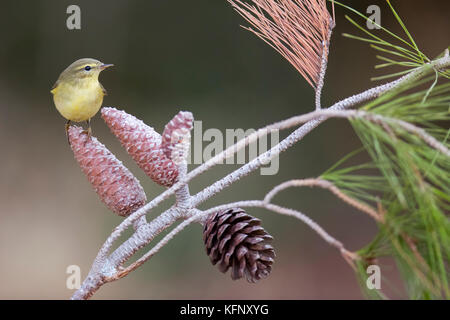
x,y
300,31
109,266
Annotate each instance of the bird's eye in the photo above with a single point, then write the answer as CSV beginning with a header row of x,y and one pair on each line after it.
x,y
87,68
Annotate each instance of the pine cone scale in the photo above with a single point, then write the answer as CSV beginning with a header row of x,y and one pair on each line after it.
x,y
223,242
222,229
238,227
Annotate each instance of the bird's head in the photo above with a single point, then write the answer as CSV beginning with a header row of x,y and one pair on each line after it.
x,y
83,70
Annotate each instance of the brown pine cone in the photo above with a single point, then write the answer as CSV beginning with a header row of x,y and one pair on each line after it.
x,y
235,239
114,183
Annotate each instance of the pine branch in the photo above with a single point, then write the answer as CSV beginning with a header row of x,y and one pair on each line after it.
x,y
108,267
300,32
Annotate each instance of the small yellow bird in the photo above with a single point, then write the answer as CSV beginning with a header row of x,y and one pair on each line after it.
x,y
78,95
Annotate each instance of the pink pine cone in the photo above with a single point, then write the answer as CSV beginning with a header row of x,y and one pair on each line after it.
x,y
114,183
177,135
143,144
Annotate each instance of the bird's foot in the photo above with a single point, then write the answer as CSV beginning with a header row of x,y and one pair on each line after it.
x,y
88,131
67,131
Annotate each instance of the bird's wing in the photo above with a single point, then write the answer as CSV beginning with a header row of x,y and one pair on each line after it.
x,y
103,89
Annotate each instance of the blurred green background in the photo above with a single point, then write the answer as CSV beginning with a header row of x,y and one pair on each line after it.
x,y
172,55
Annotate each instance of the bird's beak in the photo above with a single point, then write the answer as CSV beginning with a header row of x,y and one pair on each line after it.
x,y
104,66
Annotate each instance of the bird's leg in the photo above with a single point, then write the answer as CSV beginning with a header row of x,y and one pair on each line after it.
x,y
88,131
67,131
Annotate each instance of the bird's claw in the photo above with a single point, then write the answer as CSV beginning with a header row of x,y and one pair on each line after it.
x,y
67,131
88,131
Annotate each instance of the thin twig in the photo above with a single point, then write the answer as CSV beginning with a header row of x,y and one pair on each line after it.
x,y
316,182
323,65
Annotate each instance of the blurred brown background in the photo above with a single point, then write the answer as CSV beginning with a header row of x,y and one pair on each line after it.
x,y
173,55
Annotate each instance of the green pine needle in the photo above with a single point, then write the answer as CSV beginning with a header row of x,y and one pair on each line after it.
x,y
409,180
407,49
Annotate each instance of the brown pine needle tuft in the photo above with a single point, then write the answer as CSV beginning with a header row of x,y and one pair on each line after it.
x,y
298,29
